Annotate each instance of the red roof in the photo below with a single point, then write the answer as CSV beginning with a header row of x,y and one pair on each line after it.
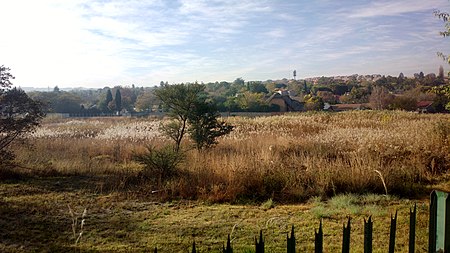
x,y
424,104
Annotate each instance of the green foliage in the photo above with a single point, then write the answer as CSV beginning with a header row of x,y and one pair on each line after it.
x,y
109,97
445,17
172,129
249,101
313,103
19,114
160,164
145,101
268,204
443,91
257,87
179,100
205,127
118,100
404,103
190,111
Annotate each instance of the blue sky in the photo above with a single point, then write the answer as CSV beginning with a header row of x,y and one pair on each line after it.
x,y
97,43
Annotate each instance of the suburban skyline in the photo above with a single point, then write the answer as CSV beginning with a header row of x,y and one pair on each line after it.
x,y
92,44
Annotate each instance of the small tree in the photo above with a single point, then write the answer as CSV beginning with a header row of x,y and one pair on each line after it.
x,y
19,114
118,101
205,126
179,101
188,107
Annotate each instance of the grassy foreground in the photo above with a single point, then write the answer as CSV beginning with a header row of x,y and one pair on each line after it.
x,y
36,218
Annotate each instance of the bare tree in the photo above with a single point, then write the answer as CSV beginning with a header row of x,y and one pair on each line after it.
x,y
380,98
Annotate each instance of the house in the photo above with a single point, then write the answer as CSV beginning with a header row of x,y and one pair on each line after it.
x,y
425,107
285,102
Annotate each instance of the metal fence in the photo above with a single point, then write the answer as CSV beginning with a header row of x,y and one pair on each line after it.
x,y
439,231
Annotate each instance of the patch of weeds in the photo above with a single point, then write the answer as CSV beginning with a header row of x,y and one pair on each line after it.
x,y
351,204
376,199
320,208
160,164
268,204
343,201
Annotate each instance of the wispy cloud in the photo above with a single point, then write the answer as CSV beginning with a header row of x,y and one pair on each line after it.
x,y
97,43
394,8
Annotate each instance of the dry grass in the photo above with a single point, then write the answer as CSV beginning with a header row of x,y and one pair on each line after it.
x,y
287,158
88,163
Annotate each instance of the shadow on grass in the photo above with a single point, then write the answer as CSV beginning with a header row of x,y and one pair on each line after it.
x,y
35,215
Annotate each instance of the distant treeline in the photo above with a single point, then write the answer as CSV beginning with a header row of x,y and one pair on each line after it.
x,y
382,92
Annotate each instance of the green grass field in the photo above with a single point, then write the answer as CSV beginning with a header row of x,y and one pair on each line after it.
x,y
36,218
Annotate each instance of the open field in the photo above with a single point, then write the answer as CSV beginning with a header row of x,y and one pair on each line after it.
x,y
288,158
294,160
35,218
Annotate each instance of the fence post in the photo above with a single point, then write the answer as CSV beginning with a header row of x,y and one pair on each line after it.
x,y
432,224
392,233
193,248
291,242
447,224
259,247
346,237
439,233
228,249
412,229
368,227
318,239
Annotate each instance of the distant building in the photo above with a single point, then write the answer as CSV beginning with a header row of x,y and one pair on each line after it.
x,y
285,102
425,107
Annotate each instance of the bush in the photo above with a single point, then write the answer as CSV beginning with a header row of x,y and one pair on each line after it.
x,y
160,164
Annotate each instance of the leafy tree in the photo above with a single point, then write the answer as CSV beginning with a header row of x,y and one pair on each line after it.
x,y
118,101
441,73
444,16
239,81
145,101
313,103
19,114
443,95
66,102
251,102
404,103
327,97
179,100
444,90
189,109
109,97
205,126
129,97
257,87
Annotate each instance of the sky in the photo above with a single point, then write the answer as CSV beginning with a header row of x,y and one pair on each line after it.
x,y
98,43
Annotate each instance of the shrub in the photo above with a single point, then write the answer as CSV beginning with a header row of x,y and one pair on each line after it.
x,y
160,164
